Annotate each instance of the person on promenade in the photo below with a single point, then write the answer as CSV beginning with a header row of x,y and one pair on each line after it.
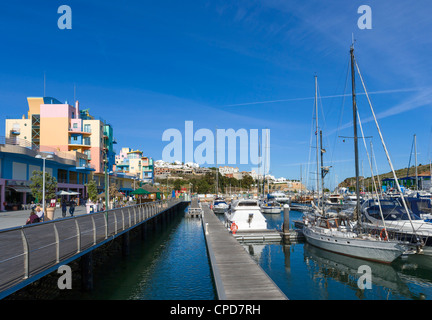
x,y
64,208
72,207
39,213
33,218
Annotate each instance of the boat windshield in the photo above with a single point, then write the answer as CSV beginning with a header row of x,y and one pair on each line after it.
x,y
390,212
247,203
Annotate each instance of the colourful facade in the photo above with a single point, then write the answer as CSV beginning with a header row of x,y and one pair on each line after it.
x,y
54,126
134,163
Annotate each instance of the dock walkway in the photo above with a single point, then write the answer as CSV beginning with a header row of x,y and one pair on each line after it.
x,y
237,275
195,209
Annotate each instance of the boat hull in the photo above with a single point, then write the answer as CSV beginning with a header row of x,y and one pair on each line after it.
x,y
271,210
380,251
220,209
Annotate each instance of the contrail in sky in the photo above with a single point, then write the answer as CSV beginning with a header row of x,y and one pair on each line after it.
x,y
323,97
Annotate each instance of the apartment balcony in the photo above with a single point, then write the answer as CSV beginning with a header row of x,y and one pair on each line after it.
x,y
81,144
77,131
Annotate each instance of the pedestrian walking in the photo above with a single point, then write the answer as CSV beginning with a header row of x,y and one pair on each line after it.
x,y
72,205
64,208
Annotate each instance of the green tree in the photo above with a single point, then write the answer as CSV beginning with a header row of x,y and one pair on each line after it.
x,y
92,190
36,185
203,186
178,184
247,182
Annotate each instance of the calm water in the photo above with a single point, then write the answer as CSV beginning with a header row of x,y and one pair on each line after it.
x,y
308,273
170,264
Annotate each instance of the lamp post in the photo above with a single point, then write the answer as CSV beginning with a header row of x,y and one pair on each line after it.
x,y
43,180
105,160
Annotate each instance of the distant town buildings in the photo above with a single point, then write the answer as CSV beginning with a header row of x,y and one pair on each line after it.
x,y
178,169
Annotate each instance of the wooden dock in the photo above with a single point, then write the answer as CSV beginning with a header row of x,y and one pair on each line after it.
x,y
195,209
237,275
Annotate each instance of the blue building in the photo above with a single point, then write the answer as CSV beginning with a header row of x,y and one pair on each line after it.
x,y
18,161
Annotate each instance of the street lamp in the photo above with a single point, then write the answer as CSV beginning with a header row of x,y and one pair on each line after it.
x,y
49,156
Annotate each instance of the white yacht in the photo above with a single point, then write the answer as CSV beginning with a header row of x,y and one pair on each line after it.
x,y
245,214
280,197
219,205
271,206
338,236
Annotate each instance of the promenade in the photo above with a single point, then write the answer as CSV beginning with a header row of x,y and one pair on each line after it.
x,y
11,219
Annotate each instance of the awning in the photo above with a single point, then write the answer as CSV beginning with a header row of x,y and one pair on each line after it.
x,y
67,193
20,188
140,191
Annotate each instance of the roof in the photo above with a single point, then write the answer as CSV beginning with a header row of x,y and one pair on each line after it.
x,y
140,191
150,188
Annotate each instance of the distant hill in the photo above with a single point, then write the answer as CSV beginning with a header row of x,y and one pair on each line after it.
x,y
400,173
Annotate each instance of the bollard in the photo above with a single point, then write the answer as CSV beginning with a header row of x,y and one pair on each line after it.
x,y
286,211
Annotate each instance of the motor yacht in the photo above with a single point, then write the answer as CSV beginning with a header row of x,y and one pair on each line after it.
x,y
219,205
245,214
271,206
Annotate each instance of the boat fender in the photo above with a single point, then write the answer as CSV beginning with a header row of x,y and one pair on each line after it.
x,y
383,234
234,228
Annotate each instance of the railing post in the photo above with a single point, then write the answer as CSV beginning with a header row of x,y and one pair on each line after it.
x,y
94,230
123,220
115,223
130,220
57,241
26,254
78,236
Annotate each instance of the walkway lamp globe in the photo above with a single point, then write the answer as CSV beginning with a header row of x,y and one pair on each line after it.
x,y
48,156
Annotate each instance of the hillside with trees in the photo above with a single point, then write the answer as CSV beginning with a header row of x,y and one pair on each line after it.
x,y
367,181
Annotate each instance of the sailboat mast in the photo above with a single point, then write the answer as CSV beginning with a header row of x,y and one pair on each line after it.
x,y
316,135
415,151
264,169
217,169
322,173
357,211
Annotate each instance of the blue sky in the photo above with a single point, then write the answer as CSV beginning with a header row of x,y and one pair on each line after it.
x,y
147,66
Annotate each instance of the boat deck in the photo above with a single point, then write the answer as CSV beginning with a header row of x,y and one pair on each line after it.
x,y
237,275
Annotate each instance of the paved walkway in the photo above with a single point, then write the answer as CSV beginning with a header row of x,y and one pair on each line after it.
x,y
10,219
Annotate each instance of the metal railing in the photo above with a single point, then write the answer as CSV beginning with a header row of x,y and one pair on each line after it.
x,y
32,249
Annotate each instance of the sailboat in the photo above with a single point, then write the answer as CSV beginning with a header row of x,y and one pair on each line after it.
x,y
341,233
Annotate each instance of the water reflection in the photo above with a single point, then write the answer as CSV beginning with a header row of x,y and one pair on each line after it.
x,y
303,271
325,265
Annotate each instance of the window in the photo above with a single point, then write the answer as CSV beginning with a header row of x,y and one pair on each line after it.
x,y
75,138
75,125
